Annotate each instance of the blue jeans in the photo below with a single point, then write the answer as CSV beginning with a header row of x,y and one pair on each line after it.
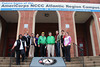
x,y
57,49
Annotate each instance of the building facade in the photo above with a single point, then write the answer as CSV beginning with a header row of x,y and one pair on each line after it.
x,y
83,27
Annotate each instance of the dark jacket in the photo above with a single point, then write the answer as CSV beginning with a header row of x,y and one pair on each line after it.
x,y
27,39
62,39
18,45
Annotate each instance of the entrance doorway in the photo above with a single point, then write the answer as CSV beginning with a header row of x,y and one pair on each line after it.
x,y
46,21
9,21
83,21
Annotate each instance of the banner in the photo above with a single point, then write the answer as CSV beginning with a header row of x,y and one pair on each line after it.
x,y
49,6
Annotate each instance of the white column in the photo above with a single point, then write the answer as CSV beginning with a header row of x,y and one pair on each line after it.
x,y
0,29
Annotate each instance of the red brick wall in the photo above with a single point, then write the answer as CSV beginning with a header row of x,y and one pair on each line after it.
x,y
95,38
26,17
67,18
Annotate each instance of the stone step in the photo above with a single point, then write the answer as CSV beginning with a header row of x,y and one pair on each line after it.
x,y
14,60
81,65
78,62
69,63
63,57
87,57
98,57
11,58
94,58
14,63
89,61
72,65
29,60
14,66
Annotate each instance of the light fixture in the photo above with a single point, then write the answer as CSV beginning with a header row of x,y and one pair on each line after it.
x,y
46,14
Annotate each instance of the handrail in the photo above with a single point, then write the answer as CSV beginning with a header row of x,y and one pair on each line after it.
x,y
10,58
78,46
82,53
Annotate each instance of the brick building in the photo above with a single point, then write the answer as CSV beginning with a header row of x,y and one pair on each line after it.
x,y
84,27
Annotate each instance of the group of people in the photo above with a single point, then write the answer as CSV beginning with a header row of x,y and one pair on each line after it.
x,y
30,45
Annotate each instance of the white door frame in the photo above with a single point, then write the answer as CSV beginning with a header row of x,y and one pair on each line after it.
x,y
92,39
0,29
75,33
18,25
97,28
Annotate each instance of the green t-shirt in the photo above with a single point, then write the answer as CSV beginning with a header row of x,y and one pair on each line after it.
x,y
42,40
50,40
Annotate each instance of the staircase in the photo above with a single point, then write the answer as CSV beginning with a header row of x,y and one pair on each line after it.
x,y
89,61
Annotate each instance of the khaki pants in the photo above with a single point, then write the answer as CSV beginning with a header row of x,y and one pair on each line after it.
x,y
31,51
50,49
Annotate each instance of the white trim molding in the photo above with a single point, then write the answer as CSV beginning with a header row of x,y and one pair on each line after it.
x,y
0,29
75,34
18,27
92,38
97,28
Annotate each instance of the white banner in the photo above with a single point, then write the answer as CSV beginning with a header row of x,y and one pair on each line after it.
x,y
49,6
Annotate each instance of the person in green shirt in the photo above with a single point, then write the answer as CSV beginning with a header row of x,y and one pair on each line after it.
x,y
42,44
50,44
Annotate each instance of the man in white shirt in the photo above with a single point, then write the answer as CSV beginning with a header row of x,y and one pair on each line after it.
x,y
20,48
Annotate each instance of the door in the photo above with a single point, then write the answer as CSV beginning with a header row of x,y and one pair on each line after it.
x,y
82,47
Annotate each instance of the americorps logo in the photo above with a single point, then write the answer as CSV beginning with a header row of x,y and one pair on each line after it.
x,y
47,61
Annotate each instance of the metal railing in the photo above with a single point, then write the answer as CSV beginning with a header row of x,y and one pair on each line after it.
x,y
10,59
82,53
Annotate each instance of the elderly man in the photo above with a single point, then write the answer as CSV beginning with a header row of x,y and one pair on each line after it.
x,y
50,44
42,44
